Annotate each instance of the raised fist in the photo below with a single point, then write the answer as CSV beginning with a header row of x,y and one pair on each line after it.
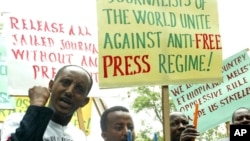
x,y
39,95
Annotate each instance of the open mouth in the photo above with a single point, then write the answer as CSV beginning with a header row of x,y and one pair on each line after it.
x,y
66,101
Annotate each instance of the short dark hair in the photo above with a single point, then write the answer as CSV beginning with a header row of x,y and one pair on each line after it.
x,y
66,66
104,116
237,110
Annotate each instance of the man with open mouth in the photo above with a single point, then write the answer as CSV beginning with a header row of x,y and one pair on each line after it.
x,y
65,94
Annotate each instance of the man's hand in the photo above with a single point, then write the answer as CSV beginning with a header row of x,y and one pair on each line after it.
x,y
189,134
38,96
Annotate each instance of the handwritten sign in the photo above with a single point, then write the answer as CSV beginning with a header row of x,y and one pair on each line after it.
x,y
158,42
215,99
37,47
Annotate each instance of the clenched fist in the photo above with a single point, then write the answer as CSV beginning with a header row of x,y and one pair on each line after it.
x,y
39,95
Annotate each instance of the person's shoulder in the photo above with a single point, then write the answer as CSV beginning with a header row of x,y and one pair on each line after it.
x,y
75,129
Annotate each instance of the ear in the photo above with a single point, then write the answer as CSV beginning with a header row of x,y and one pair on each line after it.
x,y
85,102
51,83
104,136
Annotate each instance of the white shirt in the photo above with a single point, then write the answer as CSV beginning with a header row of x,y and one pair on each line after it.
x,y
54,131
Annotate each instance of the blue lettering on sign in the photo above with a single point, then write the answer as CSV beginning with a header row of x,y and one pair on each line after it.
x,y
4,97
3,70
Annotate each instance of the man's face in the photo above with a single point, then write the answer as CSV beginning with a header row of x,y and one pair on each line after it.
x,y
118,124
242,116
69,91
178,123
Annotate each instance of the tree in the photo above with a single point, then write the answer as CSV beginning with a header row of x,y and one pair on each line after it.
x,y
147,100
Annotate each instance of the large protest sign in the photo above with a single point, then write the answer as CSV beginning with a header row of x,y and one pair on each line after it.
x,y
217,101
158,42
38,44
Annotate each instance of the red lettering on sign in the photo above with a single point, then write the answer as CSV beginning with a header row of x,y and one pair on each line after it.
x,y
208,41
127,65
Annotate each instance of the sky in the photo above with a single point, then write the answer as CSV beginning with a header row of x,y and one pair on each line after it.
x,y
233,24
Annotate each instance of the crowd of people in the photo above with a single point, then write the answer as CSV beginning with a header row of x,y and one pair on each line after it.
x,y
65,95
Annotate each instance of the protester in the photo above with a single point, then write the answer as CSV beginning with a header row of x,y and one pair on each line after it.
x,y
241,116
180,129
69,91
115,123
